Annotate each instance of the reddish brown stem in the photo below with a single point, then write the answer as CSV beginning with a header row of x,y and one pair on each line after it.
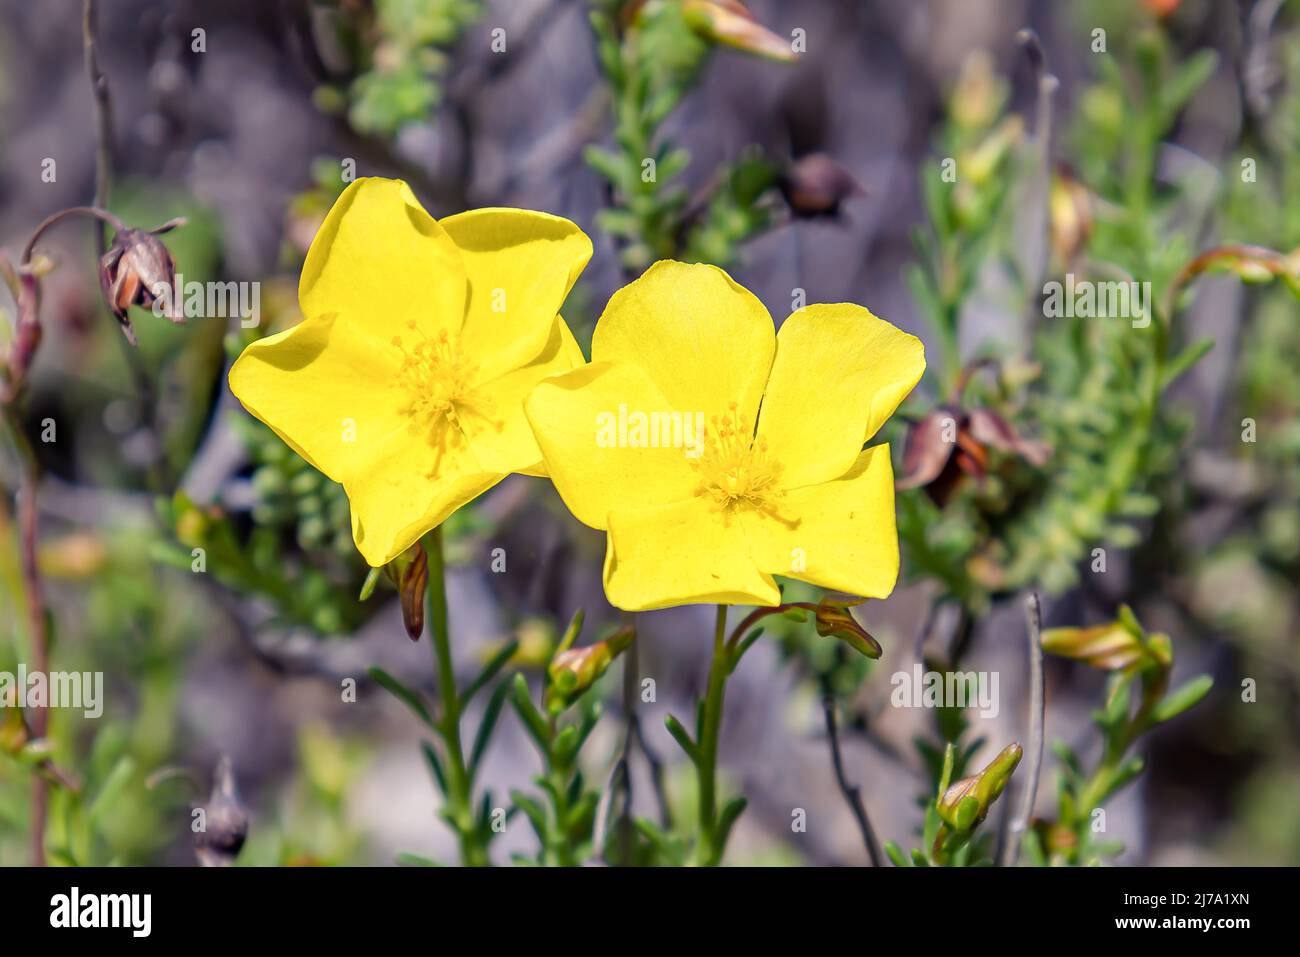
x,y
34,595
758,614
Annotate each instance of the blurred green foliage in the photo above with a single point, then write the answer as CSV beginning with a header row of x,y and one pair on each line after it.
x,y
398,54
651,57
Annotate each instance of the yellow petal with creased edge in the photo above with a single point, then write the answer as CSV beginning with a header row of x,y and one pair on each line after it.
x,y
681,553
703,339
503,440
327,389
413,488
595,466
521,266
837,367
840,535
336,388
380,261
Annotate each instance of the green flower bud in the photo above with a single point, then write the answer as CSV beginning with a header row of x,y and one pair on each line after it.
x,y
574,670
730,22
966,803
1109,647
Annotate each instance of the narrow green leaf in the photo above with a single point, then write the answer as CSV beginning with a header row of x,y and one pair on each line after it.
x,y
744,646
113,786
435,766
407,859
571,633
534,723
1184,361
368,588
945,778
490,670
402,693
484,734
895,854
1125,773
1176,702
681,736
1186,80
730,812
535,813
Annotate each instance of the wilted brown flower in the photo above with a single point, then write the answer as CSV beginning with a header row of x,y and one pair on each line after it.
x,y
816,186
138,270
15,361
952,444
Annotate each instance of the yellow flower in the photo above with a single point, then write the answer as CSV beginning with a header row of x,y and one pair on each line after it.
x,y
661,442
406,379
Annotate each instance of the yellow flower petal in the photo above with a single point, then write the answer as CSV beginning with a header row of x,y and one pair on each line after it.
x,y
380,261
327,389
704,340
839,535
503,440
412,489
598,455
839,374
681,553
521,265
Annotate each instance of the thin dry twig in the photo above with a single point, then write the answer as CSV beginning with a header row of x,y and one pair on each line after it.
x,y
26,498
852,793
1037,712
103,113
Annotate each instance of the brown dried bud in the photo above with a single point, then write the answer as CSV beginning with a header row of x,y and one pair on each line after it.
x,y
991,430
409,571
138,270
222,828
835,620
816,186
27,331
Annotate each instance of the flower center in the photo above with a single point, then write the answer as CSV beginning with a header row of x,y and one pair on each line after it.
x,y
437,380
735,470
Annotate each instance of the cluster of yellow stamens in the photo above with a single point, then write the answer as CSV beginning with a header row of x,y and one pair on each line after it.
x,y
438,382
734,468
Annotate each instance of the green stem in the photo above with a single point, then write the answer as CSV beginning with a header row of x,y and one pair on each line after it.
x,y
472,850
709,852
560,853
